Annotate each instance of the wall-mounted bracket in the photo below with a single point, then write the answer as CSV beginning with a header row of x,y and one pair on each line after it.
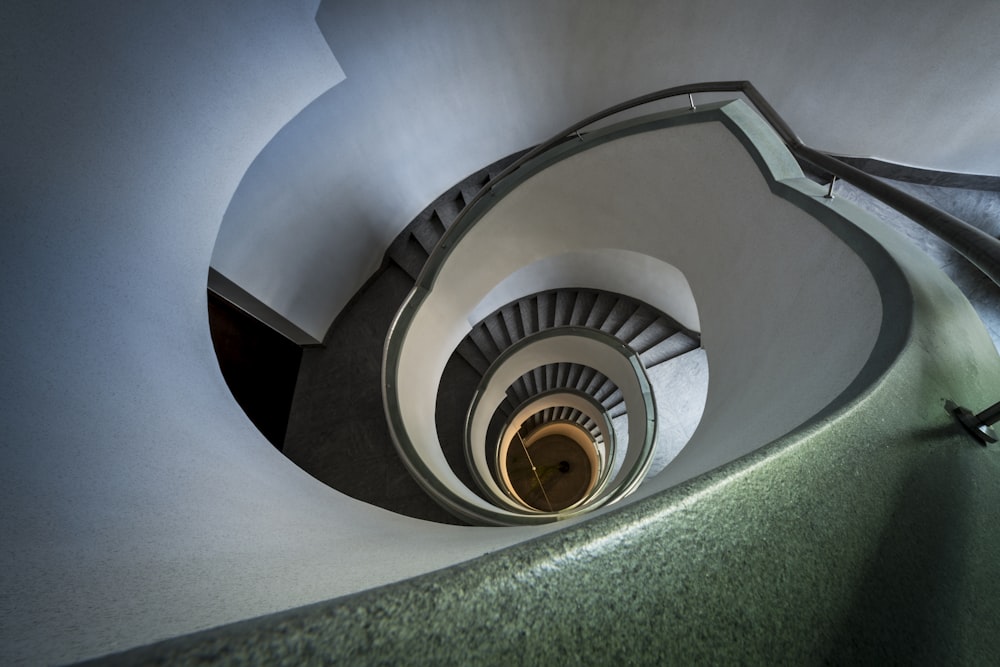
x,y
979,426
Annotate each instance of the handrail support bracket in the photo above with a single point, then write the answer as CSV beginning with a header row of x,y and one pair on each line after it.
x,y
979,426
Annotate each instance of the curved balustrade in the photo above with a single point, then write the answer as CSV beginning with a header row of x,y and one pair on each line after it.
x,y
735,292
975,245
981,249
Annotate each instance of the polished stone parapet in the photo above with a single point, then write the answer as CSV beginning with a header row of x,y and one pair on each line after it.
x,y
978,207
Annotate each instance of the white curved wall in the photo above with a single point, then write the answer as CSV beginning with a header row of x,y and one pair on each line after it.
x,y
437,89
136,500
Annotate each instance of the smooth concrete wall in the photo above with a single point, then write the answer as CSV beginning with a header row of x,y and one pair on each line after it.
x,y
137,502
437,89
680,386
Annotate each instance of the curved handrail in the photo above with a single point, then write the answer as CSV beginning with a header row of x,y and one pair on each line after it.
x,y
981,249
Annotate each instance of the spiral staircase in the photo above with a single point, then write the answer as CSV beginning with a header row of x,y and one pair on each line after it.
x,y
359,461
505,337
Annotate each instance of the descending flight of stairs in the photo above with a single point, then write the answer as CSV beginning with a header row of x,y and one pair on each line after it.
x,y
337,430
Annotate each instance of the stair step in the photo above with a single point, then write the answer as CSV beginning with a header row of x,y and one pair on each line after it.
x,y
584,378
512,321
582,307
470,190
595,384
525,388
621,312
638,322
484,342
550,376
538,375
564,300
523,384
498,332
427,234
435,221
546,310
606,389
614,398
657,332
449,208
409,255
506,407
667,349
562,373
599,310
472,354
529,315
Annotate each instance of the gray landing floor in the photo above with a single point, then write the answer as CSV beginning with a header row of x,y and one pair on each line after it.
x,y
337,430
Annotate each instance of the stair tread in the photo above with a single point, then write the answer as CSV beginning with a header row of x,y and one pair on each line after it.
x,y
498,332
637,322
427,233
582,307
482,340
619,314
563,313
668,348
512,321
472,354
658,331
409,255
600,309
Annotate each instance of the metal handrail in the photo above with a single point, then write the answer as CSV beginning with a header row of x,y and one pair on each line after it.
x,y
978,247
981,249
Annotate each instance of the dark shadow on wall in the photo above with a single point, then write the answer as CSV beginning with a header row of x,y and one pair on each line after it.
x,y
915,601
260,366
